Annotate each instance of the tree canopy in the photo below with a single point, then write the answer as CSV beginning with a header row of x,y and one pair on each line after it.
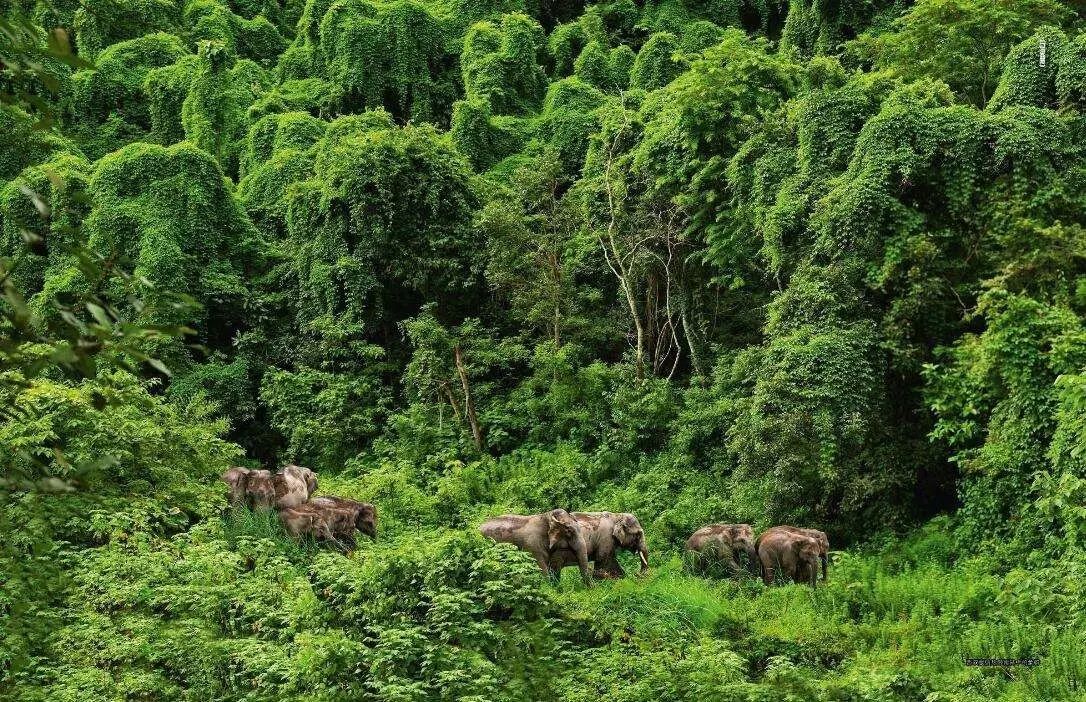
x,y
804,263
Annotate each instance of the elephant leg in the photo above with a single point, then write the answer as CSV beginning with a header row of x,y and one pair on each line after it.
x,y
768,574
610,568
549,572
586,572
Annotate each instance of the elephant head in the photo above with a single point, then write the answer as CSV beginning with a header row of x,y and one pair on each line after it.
x,y
807,557
237,480
565,532
726,542
260,489
305,475
628,534
743,541
820,538
360,515
293,486
366,520
562,530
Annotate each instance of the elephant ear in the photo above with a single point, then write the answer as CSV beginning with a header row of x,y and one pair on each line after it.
x,y
557,528
236,476
620,530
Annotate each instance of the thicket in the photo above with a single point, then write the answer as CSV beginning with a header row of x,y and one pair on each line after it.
x,y
729,261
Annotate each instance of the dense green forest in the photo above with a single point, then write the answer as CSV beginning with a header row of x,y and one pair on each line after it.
x,y
814,262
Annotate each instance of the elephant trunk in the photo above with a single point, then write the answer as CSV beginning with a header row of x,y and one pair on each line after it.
x,y
643,554
581,547
752,560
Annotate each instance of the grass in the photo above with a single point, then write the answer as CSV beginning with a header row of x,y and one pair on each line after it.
x,y
883,627
870,622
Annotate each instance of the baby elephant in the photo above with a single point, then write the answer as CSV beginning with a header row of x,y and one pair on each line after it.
x,y
820,537
254,489
724,542
788,553
542,535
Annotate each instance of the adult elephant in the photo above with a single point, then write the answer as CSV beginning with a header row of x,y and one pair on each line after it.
x,y
542,535
237,480
293,485
725,541
252,488
789,554
819,536
605,533
309,520
348,515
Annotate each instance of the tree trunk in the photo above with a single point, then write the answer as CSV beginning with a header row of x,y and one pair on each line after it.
x,y
469,403
692,343
452,401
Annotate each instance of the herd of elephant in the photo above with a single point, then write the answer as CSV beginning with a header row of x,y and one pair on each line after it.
x,y
290,493
559,538
555,539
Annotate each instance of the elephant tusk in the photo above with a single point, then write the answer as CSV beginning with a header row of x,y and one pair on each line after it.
x,y
644,561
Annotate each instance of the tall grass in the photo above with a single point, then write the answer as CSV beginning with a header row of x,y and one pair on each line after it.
x,y
876,626
239,524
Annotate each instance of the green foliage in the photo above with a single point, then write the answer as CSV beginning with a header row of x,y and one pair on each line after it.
x,y
311,95
326,417
567,120
101,444
458,371
60,185
107,105
211,114
537,256
101,24
501,65
166,89
22,146
170,213
704,261
657,63
256,39
483,138
961,42
1059,83
389,55
387,216
814,28
462,610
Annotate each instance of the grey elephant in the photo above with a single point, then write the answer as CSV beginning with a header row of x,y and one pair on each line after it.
x,y
605,533
293,486
789,555
252,488
236,479
819,536
725,542
542,535
307,520
346,515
